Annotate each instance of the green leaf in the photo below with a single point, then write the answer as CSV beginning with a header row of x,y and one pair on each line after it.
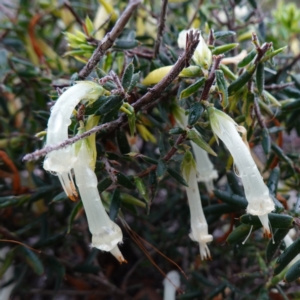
x,y
253,3
115,205
247,59
196,110
192,88
266,141
132,200
32,260
234,184
260,77
161,169
293,272
127,76
153,184
176,130
222,34
273,180
279,152
131,123
224,48
124,181
177,176
122,142
104,184
239,82
217,290
140,185
292,105
220,209
73,214
111,103
197,139
125,44
272,54
7,262
227,72
134,80
240,233
57,270
272,247
231,199
276,220
287,256
60,197
222,87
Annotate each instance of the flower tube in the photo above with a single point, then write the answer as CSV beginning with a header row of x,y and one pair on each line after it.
x,y
256,192
60,162
205,169
199,228
171,284
106,234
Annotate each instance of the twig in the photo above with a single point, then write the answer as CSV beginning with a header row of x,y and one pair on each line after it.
x,y
208,83
167,157
68,5
110,170
278,87
258,115
103,127
109,39
155,92
151,95
161,27
195,14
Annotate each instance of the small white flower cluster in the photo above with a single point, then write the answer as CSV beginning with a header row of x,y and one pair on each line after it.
x,y
77,158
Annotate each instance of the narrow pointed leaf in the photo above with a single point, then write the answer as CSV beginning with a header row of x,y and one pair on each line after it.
x,y
260,77
177,176
287,256
222,87
293,272
272,248
197,139
114,205
192,88
276,220
224,48
127,76
196,111
247,59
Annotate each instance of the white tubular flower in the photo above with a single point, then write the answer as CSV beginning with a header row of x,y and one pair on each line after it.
x,y
171,284
105,233
257,193
202,55
199,228
205,169
60,162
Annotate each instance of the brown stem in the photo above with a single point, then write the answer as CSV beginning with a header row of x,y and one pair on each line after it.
x,y
109,39
211,77
167,157
161,27
155,92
